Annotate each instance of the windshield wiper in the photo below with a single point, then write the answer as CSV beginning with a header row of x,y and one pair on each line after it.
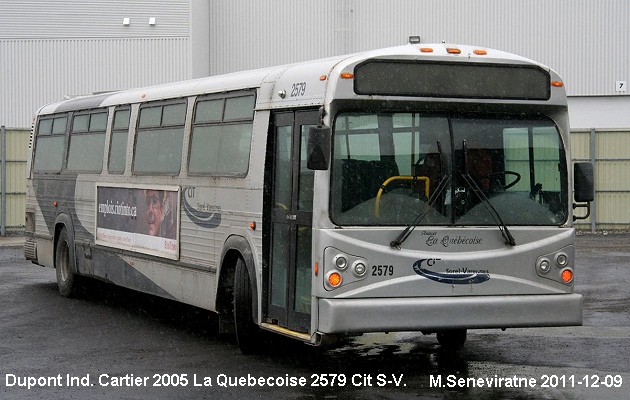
x,y
427,206
505,232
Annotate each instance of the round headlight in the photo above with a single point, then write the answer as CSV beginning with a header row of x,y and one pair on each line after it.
x,y
561,260
359,269
340,262
544,266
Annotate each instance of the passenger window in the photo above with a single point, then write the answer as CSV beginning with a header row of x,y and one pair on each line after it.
x,y
150,116
80,123
219,146
50,144
87,142
159,139
45,127
59,126
98,122
237,108
220,149
209,111
118,145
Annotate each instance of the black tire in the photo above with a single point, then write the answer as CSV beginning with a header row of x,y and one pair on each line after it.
x,y
452,339
65,265
247,332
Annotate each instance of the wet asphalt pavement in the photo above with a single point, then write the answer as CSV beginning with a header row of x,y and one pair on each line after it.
x,y
114,343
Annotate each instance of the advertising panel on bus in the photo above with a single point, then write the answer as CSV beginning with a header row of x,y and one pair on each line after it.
x,y
142,219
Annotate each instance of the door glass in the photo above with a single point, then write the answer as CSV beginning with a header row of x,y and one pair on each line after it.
x,y
307,176
282,178
303,270
281,253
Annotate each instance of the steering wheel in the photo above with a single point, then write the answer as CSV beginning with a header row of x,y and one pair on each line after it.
x,y
514,182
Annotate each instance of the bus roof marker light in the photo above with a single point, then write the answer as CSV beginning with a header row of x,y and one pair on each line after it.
x,y
453,50
347,75
426,50
480,52
557,83
323,77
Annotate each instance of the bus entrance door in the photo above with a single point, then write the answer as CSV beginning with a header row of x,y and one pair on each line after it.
x,y
289,280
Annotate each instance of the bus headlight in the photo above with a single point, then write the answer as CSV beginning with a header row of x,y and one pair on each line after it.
x,y
342,269
340,262
562,260
359,269
544,266
557,266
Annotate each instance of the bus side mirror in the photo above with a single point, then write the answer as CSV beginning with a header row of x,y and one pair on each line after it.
x,y
318,148
583,182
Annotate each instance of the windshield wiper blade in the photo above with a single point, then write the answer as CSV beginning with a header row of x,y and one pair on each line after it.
x,y
427,207
505,232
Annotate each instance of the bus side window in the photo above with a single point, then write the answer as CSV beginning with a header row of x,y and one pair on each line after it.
x,y
221,136
50,144
118,143
159,139
87,142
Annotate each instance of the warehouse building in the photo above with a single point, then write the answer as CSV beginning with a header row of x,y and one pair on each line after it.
x,y
55,49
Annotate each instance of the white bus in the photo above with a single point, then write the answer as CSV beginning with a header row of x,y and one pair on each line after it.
x,y
416,188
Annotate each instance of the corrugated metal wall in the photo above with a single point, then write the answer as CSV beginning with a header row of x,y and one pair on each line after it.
x,y
587,42
73,19
43,71
611,151
15,164
49,49
52,48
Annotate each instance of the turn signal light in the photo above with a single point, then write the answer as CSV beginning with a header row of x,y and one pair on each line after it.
x,y
557,83
334,279
347,75
567,275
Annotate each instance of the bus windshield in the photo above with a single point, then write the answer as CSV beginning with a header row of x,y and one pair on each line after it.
x,y
438,169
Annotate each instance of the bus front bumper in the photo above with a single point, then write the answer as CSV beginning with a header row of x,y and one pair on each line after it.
x,y
432,314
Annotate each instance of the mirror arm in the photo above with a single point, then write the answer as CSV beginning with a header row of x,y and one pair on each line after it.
x,y
588,210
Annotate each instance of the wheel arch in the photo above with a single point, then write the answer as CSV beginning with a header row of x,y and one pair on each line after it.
x,y
236,247
64,220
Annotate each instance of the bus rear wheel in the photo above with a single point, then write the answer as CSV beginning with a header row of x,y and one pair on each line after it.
x,y
247,332
67,279
452,339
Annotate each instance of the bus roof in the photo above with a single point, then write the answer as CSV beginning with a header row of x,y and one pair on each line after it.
x,y
292,85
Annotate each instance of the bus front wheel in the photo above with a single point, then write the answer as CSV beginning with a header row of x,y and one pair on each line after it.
x,y
67,279
452,339
247,332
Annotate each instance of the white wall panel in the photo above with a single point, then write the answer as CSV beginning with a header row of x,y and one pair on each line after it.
x,y
37,72
63,19
587,42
